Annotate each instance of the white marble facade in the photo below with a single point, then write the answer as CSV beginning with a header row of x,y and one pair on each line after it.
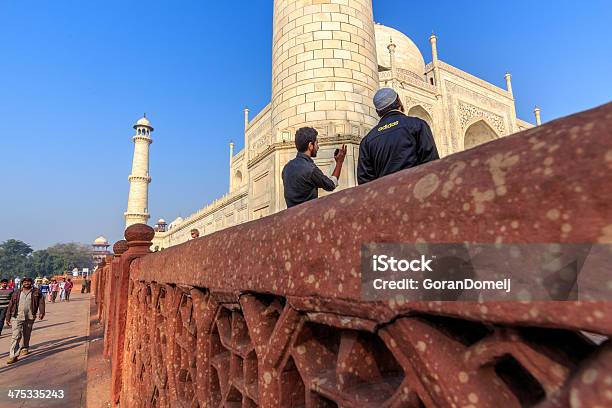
x,y
329,58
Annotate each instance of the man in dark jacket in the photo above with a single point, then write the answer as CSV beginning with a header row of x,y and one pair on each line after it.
x,y
23,307
398,142
301,176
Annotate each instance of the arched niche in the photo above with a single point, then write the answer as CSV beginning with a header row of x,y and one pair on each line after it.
x,y
478,133
238,178
419,112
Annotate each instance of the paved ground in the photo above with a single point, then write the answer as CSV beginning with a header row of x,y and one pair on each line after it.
x,y
98,368
57,360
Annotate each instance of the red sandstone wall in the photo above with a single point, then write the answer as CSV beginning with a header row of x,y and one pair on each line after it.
x,y
244,318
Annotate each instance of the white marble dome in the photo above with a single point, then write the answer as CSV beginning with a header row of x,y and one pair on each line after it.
x,y
143,122
407,54
100,241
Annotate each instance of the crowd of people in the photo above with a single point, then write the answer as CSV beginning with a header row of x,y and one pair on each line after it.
x,y
54,289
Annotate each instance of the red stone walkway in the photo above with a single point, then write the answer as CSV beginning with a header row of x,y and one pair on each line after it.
x,y
57,360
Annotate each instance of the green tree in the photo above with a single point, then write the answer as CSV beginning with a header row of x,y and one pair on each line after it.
x,y
66,257
43,263
17,259
14,255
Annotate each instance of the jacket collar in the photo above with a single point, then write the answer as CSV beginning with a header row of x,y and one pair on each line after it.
x,y
391,113
304,156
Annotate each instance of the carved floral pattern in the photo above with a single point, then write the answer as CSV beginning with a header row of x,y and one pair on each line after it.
x,y
410,103
468,112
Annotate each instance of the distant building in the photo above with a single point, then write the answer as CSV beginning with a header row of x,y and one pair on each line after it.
x,y
161,226
100,249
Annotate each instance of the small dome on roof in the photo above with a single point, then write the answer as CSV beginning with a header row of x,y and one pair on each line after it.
x,y
161,221
100,241
143,122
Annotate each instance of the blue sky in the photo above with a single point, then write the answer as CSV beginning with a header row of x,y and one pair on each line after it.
x,y
75,76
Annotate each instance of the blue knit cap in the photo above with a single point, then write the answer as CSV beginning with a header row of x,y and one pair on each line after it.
x,y
384,98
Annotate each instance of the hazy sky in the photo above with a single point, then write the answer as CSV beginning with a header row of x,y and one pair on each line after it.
x,y
76,75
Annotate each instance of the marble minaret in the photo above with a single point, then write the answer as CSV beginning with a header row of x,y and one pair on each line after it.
x,y
137,209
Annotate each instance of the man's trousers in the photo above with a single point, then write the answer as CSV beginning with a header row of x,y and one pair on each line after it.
x,y
2,317
22,330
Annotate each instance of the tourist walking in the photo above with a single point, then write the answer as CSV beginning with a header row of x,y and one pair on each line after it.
x,y
302,179
62,290
67,289
5,298
398,142
54,290
85,285
44,289
24,305
51,282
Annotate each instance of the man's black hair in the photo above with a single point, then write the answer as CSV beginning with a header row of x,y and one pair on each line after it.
x,y
3,280
303,137
394,106
27,279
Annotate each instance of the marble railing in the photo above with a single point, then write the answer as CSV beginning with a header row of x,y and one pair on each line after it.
x,y
269,313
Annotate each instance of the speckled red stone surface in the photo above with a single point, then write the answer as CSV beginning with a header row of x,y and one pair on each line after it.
x,y
120,247
268,313
139,232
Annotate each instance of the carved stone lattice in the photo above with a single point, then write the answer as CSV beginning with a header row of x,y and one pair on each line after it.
x,y
189,348
490,365
468,112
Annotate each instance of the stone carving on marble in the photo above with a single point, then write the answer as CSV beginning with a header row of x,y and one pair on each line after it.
x,y
475,97
468,113
410,102
260,143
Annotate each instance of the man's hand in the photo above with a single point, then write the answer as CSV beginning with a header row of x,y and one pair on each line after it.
x,y
339,160
8,323
341,154
41,316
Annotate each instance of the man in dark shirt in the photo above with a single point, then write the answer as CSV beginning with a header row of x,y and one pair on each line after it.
x,y
5,298
301,176
398,142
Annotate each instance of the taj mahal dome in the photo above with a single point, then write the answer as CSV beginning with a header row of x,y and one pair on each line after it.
x,y
329,58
